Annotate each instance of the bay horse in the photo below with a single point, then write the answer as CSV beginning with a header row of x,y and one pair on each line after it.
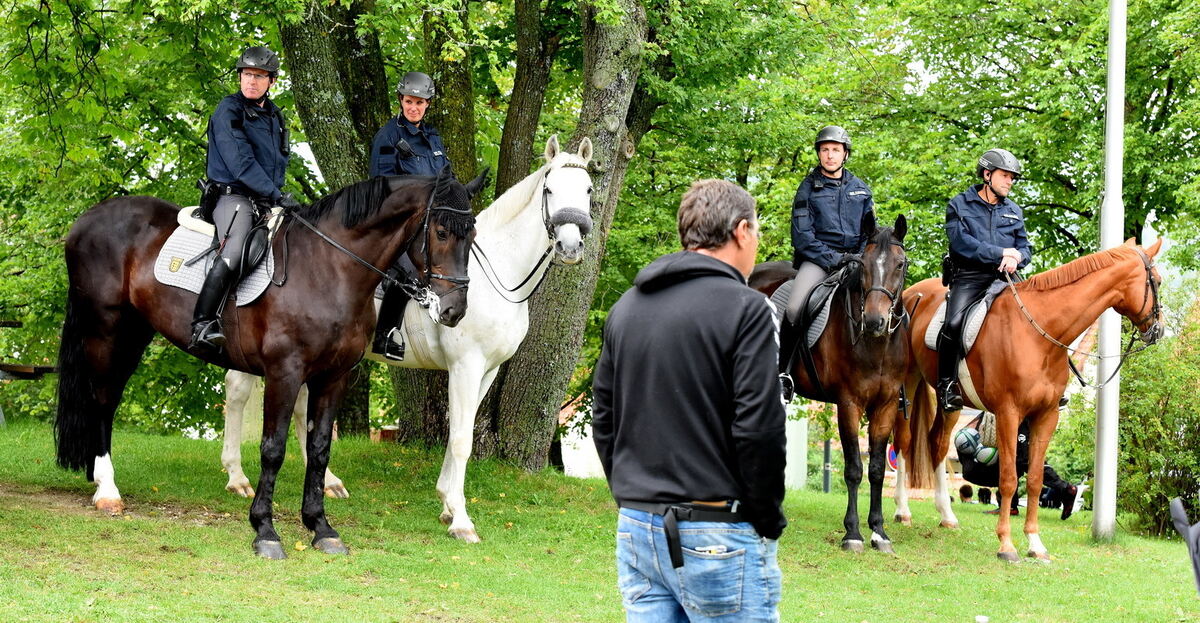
x,y
311,329
543,216
860,360
1019,369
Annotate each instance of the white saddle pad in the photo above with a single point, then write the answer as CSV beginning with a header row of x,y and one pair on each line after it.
x,y
974,322
185,244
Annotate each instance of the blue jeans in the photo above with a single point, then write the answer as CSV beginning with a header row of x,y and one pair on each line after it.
x,y
729,573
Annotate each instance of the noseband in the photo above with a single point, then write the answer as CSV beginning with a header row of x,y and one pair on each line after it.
x,y
1154,331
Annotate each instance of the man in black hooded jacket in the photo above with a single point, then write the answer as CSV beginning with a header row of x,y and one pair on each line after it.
x,y
689,425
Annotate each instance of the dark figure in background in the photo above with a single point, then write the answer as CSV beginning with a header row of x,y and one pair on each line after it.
x,y
981,466
985,495
688,424
987,239
247,159
965,493
405,145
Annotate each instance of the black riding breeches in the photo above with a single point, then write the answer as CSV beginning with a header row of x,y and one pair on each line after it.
x,y
967,288
234,217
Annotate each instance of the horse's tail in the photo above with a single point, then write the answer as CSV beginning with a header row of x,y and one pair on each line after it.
x,y
924,432
77,429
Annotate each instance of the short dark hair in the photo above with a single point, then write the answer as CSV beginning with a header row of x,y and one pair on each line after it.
x,y
710,211
965,492
985,495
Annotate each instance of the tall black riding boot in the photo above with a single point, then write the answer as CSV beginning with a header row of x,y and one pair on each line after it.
x,y
206,322
391,311
787,346
948,394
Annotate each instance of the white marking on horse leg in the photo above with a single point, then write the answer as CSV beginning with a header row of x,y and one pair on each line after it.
x,y
238,386
941,497
106,498
903,513
1036,548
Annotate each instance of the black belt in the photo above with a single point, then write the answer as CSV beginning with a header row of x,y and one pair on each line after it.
x,y
684,511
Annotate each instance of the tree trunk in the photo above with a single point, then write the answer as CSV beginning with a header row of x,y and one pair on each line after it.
x,y
535,55
535,383
452,111
326,56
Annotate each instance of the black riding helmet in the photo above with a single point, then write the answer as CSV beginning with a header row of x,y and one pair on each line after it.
x,y
994,159
259,57
833,134
416,84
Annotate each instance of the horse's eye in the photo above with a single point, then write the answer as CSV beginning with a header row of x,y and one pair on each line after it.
x,y
442,235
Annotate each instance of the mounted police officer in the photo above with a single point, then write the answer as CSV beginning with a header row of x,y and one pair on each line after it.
x,y
405,145
987,239
247,159
832,216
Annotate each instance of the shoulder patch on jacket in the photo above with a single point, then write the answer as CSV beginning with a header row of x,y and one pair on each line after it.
x,y
235,123
1012,216
387,150
858,192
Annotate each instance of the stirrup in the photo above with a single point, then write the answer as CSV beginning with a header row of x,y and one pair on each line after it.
x,y
389,348
787,387
207,334
948,399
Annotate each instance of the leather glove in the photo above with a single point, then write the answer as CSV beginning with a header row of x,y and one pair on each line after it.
x,y
288,202
846,258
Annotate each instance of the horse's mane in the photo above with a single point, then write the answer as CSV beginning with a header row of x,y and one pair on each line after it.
x,y
356,202
882,236
1077,269
507,206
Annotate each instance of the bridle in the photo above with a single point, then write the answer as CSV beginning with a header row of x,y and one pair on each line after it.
x,y
567,215
897,315
419,290
1149,336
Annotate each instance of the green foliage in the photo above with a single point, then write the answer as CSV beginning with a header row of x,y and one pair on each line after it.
x,y
1160,429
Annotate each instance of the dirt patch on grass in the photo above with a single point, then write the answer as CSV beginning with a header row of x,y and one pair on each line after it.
x,y
59,501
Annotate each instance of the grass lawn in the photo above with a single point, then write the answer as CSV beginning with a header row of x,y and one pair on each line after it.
x,y
181,552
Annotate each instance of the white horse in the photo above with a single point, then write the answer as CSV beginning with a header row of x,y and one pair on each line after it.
x,y
547,212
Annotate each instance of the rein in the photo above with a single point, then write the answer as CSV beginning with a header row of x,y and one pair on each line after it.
x,y
566,215
1149,336
420,291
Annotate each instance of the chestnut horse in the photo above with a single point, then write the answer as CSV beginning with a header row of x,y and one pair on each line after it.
x,y
311,329
1018,366
861,360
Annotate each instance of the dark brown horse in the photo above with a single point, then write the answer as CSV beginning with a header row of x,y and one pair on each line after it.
x,y
860,362
312,329
1018,367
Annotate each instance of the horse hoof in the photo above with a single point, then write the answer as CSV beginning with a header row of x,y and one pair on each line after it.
x,y
850,545
904,520
240,489
110,506
884,547
271,550
466,535
446,518
951,525
1008,556
336,491
331,545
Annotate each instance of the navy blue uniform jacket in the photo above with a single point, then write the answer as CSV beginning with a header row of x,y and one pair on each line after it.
x,y
401,148
979,231
831,217
686,391
247,147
